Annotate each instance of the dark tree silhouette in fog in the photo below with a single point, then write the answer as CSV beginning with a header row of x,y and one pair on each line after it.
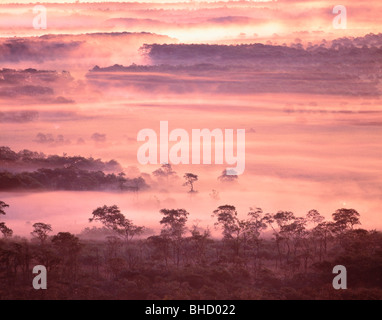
x,y
345,219
7,232
165,171
190,180
41,231
226,177
3,205
174,227
112,218
231,225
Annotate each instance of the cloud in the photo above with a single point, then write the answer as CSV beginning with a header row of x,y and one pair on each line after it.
x,y
28,91
18,116
63,115
98,137
63,100
81,141
51,139
231,19
44,138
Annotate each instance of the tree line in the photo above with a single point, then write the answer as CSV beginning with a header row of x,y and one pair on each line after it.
x,y
69,179
263,256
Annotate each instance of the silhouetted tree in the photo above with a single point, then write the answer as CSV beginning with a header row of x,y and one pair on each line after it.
x,y
112,218
281,218
3,205
121,179
198,241
174,227
252,231
345,219
7,232
314,217
323,233
232,226
190,180
41,231
294,234
226,176
165,171
68,247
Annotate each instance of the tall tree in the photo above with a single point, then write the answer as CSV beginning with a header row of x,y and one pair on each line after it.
x,y
41,231
174,226
294,234
345,219
66,242
165,171
121,179
252,231
190,180
198,242
231,225
68,246
112,218
227,176
314,217
7,232
318,234
322,233
277,221
3,205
